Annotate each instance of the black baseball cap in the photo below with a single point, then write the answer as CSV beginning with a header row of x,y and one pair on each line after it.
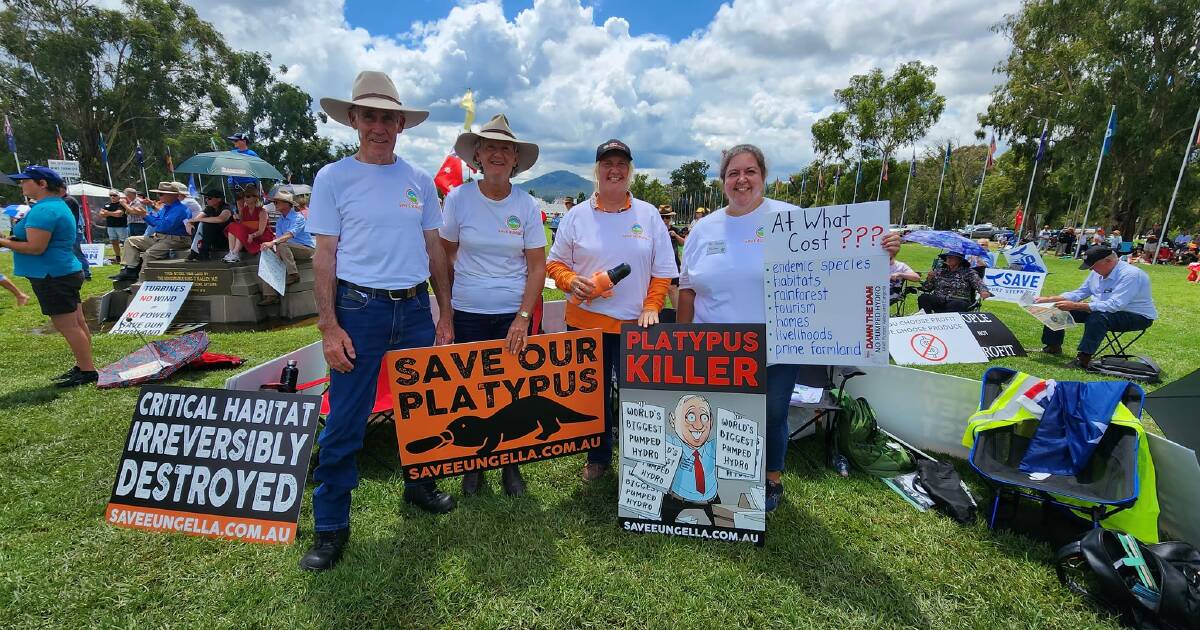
x,y
214,193
612,146
238,136
1095,254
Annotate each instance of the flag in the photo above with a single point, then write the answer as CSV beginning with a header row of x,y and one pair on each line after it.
x,y
837,177
450,174
885,167
8,135
140,155
912,165
213,143
803,184
468,104
1109,132
1042,142
103,148
62,155
946,161
170,163
192,186
991,152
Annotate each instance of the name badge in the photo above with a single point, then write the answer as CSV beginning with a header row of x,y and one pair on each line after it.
x,y
716,247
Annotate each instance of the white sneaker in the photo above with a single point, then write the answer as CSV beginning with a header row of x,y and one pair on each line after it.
x,y
231,257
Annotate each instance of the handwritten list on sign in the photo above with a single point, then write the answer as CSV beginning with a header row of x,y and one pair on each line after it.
x,y
826,276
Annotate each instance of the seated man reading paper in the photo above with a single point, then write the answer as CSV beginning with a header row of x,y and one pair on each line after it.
x,y
1120,301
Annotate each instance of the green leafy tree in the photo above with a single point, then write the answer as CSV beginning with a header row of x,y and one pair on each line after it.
x,y
1071,61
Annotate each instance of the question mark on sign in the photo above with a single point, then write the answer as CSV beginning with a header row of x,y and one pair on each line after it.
x,y
846,233
862,231
876,232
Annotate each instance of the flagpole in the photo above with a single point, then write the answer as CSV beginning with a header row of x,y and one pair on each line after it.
x,y
17,160
1187,152
937,204
1033,176
1088,209
979,195
882,168
904,208
857,180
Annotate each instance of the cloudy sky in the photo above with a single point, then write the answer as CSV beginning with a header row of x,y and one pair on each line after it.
x,y
677,80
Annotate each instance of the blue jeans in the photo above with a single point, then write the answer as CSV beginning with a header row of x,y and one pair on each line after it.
x,y
481,326
375,326
612,353
781,380
1095,326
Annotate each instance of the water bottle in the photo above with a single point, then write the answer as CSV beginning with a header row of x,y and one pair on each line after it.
x,y
289,377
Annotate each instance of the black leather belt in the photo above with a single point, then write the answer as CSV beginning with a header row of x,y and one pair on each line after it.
x,y
391,294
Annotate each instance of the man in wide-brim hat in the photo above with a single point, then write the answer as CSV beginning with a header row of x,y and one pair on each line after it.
x,y
375,217
170,231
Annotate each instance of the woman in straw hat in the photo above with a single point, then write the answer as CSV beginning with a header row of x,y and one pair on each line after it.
x,y
374,216
602,232
496,249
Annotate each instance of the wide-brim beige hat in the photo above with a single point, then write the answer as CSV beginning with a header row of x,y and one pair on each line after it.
x,y
171,188
496,129
372,89
284,196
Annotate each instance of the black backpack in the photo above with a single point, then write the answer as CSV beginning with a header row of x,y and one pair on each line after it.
x,y
1146,586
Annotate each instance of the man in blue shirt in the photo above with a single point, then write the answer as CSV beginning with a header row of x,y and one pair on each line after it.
x,y
292,242
241,144
170,233
695,482
1120,301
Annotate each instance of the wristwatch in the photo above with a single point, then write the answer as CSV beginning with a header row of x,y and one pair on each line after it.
x,y
524,314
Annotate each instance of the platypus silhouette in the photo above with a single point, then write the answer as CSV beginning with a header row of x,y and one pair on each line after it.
x,y
516,420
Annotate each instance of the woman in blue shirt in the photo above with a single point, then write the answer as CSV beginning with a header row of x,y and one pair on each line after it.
x,y
43,245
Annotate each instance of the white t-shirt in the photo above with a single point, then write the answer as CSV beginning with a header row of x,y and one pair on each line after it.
x,y
723,264
193,206
490,270
589,240
379,214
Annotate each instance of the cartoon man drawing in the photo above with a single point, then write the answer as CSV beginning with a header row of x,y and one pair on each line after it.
x,y
695,483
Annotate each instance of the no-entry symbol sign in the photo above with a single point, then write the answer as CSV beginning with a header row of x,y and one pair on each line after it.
x,y
929,347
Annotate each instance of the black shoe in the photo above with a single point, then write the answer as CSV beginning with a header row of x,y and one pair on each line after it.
x,y
429,498
326,550
196,256
79,378
128,273
514,484
1055,350
66,375
473,483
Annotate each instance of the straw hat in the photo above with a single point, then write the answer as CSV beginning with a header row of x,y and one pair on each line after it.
x,y
171,188
284,196
372,89
496,129
666,211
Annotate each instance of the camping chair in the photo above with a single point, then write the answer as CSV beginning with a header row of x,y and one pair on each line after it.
x,y
1114,358
1116,343
898,296
825,411
382,414
1108,485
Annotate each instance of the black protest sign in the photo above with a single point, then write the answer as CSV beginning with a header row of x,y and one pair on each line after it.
x,y
214,462
693,429
995,339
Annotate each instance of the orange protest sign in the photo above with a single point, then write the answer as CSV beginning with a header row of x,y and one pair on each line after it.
x,y
475,406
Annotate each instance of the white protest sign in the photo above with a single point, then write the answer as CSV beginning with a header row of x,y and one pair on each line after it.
x,y
826,277
933,339
67,169
660,476
153,308
1008,286
1025,258
93,253
642,433
737,441
639,497
272,270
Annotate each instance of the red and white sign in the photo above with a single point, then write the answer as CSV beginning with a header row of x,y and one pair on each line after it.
x,y
153,308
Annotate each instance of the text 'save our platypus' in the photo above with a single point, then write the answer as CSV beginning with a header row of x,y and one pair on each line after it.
x,y
514,421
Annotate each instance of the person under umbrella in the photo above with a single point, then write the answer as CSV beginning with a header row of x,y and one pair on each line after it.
x,y
241,144
496,246
211,221
952,286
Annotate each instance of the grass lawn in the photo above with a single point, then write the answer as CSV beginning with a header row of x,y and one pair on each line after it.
x,y
840,553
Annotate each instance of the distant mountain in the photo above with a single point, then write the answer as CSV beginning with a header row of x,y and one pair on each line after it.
x,y
556,185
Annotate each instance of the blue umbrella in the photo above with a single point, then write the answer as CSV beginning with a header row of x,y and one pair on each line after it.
x,y
948,241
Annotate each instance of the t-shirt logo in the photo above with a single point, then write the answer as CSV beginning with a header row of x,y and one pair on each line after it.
x,y
512,225
760,232
413,200
636,229
759,235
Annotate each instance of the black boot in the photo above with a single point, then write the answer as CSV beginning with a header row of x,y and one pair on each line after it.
x,y
427,497
326,550
128,273
514,484
472,483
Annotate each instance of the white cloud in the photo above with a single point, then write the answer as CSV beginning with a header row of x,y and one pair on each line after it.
x,y
762,71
